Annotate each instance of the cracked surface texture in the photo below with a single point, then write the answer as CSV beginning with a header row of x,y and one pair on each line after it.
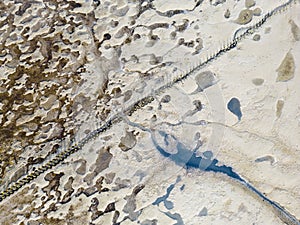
x,y
66,67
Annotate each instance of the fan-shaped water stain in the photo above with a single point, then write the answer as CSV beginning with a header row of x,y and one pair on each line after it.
x,y
180,121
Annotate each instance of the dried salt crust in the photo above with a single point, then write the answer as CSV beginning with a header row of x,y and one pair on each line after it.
x,y
123,65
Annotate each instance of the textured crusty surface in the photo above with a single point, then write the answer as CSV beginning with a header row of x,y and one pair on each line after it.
x,y
67,66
